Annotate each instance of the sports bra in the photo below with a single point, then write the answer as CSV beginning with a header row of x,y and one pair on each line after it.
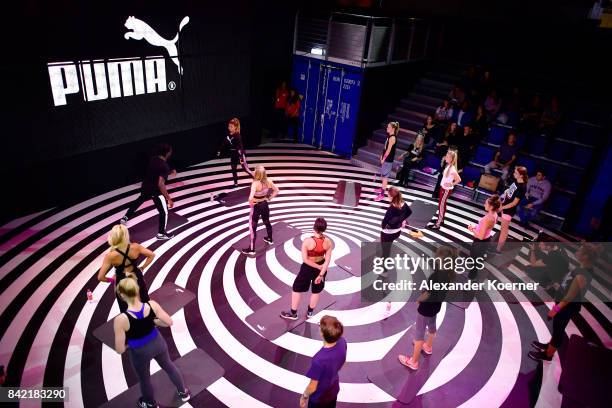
x,y
480,225
142,328
318,249
120,269
261,193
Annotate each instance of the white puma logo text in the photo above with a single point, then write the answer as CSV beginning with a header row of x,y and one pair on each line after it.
x,y
141,30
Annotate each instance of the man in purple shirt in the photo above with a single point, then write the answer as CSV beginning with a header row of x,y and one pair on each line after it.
x,y
324,385
505,157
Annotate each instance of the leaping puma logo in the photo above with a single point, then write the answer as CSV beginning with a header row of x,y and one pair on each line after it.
x,y
141,30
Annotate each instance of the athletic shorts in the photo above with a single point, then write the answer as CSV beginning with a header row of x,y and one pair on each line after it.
x,y
385,169
306,278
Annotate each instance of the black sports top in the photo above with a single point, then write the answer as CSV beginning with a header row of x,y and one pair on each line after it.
x,y
120,269
142,328
391,157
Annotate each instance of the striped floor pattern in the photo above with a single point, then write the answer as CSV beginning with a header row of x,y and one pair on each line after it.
x,y
48,260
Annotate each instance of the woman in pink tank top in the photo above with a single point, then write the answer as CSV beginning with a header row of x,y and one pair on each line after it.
x,y
483,231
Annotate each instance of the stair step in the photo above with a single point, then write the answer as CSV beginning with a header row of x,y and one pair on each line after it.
x,y
428,99
443,76
410,113
406,122
418,106
436,93
378,146
403,139
435,84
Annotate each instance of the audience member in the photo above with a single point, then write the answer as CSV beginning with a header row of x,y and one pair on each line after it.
x,y
492,104
444,113
429,130
538,191
486,83
411,159
449,137
456,95
550,117
466,146
505,157
480,125
530,118
465,115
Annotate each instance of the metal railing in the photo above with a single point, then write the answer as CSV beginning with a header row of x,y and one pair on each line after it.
x,y
361,40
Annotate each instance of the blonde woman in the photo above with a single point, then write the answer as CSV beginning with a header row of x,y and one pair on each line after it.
x,y
138,324
263,190
412,157
450,177
123,256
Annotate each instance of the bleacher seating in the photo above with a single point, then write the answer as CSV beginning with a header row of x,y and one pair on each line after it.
x,y
581,155
471,173
497,135
536,145
484,155
565,154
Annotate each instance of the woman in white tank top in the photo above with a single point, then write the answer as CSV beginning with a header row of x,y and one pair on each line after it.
x,y
450,177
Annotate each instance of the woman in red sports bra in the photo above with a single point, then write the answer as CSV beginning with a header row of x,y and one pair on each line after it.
x,y
316,255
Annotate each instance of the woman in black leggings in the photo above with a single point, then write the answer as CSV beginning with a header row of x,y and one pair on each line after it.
x,y
233,144
568,302
391,228
123,256
144,342
263,190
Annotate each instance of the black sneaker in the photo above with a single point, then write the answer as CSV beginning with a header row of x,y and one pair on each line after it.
x,y
268,240
142,404
184,395
165,236
123,220
309,313
288,315
235,185
539,356
539,346
248,251
434,227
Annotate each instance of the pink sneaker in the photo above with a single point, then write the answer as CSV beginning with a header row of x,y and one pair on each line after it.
x,y
425,348
408,362
379,197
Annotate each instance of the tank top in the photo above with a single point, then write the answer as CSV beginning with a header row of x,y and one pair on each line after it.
x,y
480,225
318,249
142,328
262,193
120,269
391,157
448,177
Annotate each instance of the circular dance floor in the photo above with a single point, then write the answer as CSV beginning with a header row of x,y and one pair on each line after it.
x,y
50,259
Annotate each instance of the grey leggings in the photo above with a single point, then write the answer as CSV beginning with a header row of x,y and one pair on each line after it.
x,y
141,361
421,323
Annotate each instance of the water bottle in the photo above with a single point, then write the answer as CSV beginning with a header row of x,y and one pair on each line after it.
x,y
89,296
